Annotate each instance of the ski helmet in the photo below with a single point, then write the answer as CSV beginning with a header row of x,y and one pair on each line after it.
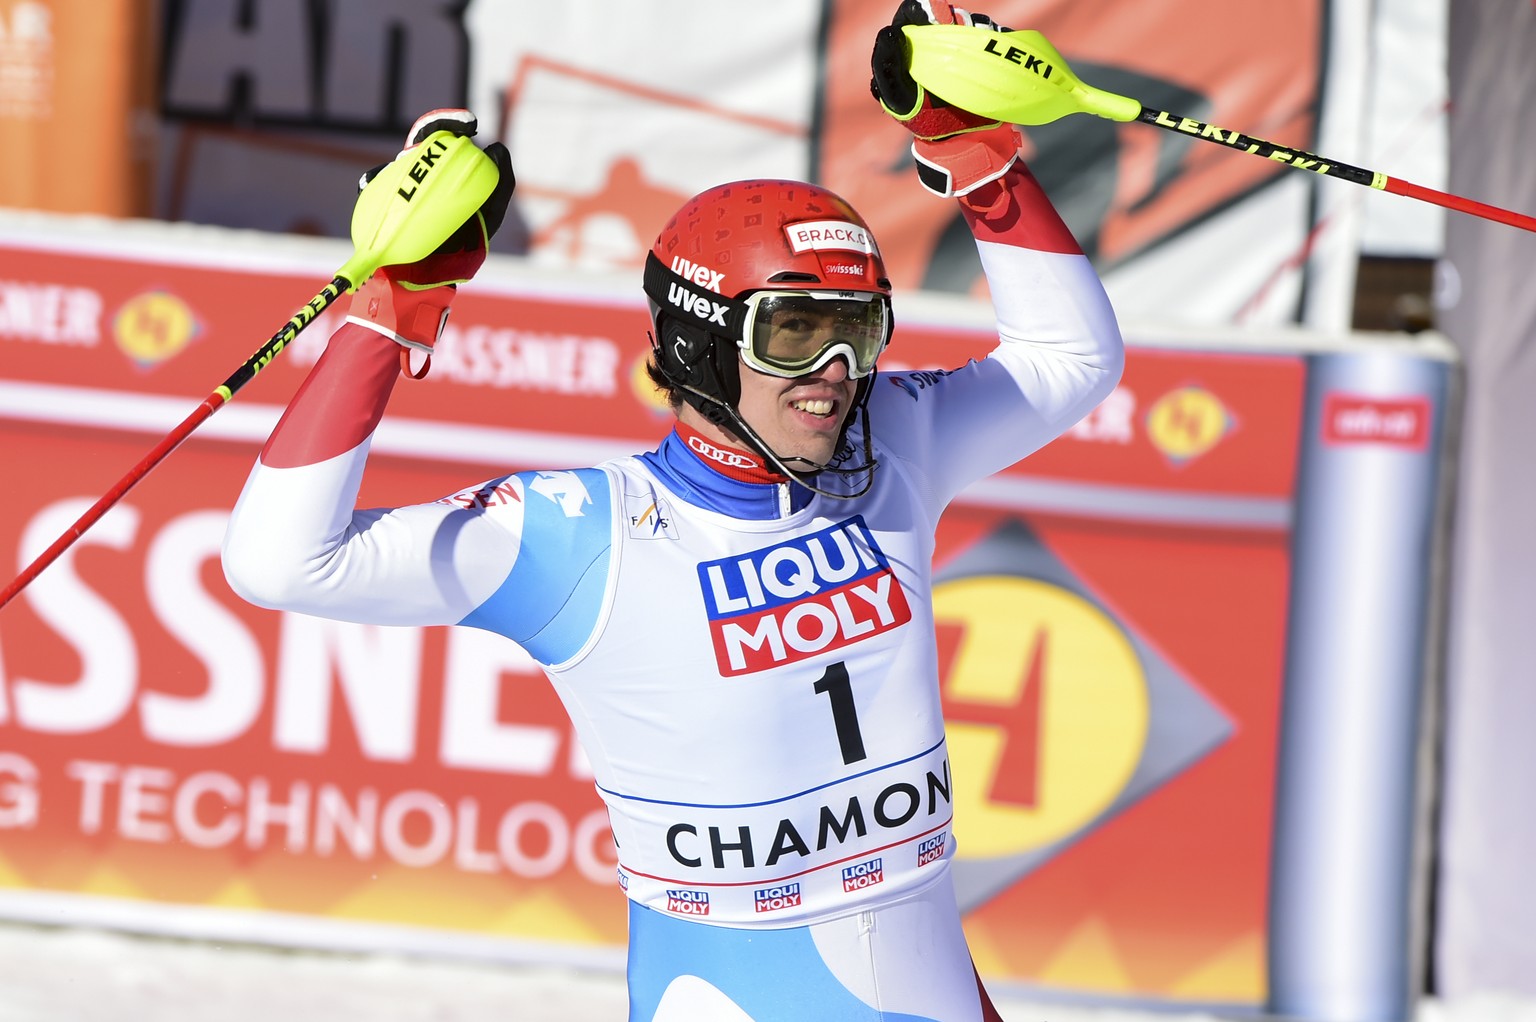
x,y
736,252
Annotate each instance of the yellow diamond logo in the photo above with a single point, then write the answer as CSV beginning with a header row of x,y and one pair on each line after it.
x,y
153,327
1186,423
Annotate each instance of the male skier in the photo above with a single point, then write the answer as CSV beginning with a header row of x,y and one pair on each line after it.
x,y
752,672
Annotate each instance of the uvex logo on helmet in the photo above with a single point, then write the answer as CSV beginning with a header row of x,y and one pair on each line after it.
x,y
690,301
700,275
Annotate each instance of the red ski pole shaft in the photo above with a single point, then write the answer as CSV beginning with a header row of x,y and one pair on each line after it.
x,y
1300,159
172,440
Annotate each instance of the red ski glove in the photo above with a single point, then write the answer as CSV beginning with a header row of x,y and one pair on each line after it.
x,y
956,151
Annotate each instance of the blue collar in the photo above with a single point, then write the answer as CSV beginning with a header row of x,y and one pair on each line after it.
x,y
693,479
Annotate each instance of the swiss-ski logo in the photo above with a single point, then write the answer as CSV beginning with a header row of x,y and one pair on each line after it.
x,y
564,489
914,383
811,594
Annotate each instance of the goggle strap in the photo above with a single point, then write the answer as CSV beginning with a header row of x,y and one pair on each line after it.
x,y
712,312
692,304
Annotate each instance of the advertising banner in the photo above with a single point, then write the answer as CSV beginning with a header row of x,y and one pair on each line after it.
x,y
1114,624
615,113
1122,188
75,104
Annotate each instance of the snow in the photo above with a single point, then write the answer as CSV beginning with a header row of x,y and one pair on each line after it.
x,y
50,974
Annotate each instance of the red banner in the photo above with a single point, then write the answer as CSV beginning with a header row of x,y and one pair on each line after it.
x,y
1113,707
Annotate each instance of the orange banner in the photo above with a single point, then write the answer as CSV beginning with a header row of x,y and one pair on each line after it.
x,y
1122,188
76,104
612,123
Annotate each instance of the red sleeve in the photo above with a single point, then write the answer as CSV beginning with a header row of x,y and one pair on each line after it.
x,y
1016,211
340,403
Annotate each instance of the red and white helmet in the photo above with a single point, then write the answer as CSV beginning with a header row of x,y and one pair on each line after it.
x,y
750,235
734,253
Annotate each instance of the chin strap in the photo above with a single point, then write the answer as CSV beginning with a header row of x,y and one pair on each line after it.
x,y
736,424
725,416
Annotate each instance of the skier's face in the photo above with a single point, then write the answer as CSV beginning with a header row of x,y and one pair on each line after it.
x,y
799,417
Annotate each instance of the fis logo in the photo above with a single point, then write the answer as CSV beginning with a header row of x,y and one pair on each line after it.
x,y
930,849
776,898
814,593
688,903
649,517
863,874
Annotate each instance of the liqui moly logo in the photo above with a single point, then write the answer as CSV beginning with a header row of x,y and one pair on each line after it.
x,y
863,874
814,593
930,849
688,903
776,898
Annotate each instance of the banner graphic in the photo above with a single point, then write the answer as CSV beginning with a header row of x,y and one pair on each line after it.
x,y
1114,621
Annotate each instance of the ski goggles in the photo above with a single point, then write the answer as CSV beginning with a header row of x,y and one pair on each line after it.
x,y
792,333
